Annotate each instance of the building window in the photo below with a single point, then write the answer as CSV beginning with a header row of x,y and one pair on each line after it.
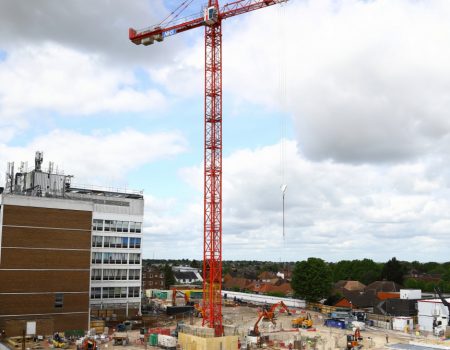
x,y
114,258
96,274
134,274
135,227
108,225
161,275
59,300
97,241
96,293
135,258
114,292
115,242
114,274
133,292
150,283
97,225
96,258
135,242
125,226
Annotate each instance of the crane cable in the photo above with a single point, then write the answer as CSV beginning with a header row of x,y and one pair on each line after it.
x,y
183,6
282,103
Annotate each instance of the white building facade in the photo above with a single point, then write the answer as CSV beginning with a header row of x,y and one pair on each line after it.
x,y
116,253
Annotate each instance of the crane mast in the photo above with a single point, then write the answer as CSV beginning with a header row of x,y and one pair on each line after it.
x,y
212,197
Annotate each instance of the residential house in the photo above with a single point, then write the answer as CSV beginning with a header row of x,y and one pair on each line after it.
x,y
153,278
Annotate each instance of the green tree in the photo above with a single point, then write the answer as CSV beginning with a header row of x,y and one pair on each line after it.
x,y
394,271
169,278
366,271
311,279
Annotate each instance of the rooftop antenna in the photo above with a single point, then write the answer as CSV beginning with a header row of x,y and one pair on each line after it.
x,y
38,159
10,176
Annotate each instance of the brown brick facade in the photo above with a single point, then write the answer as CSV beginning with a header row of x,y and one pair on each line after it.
x,y
153,278
45,217
45,253
44,324
44,281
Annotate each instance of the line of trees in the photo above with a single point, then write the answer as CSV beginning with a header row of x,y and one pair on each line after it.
x,y
313,279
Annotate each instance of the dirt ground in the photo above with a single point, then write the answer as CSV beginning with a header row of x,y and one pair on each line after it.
x,y
240,319
327,337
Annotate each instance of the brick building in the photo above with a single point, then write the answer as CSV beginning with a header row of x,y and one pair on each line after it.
x,y
44,264
66,252
153,278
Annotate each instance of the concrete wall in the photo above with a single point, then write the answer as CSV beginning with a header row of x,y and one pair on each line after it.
x,y
190,342
264,299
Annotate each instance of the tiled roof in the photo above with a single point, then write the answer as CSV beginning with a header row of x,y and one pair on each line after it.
x,y
349,285
384,286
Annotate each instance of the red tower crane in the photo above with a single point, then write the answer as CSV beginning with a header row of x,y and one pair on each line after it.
x,y
211,19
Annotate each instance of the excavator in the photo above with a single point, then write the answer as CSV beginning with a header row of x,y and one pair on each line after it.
x,y
262,315
303,321
175,293
269,314
353,340
89,344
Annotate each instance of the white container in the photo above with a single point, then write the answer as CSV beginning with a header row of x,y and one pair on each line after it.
x,y
428,310
403,323
166,341
410,294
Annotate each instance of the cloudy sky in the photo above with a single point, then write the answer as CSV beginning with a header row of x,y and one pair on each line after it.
x,y
349,99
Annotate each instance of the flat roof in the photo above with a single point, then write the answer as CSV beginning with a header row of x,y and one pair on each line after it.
x,y
106,192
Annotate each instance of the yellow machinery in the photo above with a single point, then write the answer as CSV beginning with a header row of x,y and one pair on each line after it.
x,y
303,321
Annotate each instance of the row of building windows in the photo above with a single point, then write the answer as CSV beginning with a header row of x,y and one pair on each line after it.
x,y
114,292
116,258
115,242
116,226
115,274
156,283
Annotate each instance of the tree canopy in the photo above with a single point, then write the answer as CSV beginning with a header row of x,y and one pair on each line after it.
x,y
312,279
393,270
169,277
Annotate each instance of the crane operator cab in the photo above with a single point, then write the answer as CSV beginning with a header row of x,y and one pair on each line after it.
x,y
211,15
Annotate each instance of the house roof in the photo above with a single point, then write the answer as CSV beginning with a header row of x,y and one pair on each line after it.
x,y
185,275
384,286
265,275
236,282
265,288
361,299
349,285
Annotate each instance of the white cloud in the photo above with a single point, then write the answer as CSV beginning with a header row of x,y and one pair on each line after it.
x,y
105,159
54,78
333,211
365,81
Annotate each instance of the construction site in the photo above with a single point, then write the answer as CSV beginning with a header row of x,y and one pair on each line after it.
x,y
85,292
